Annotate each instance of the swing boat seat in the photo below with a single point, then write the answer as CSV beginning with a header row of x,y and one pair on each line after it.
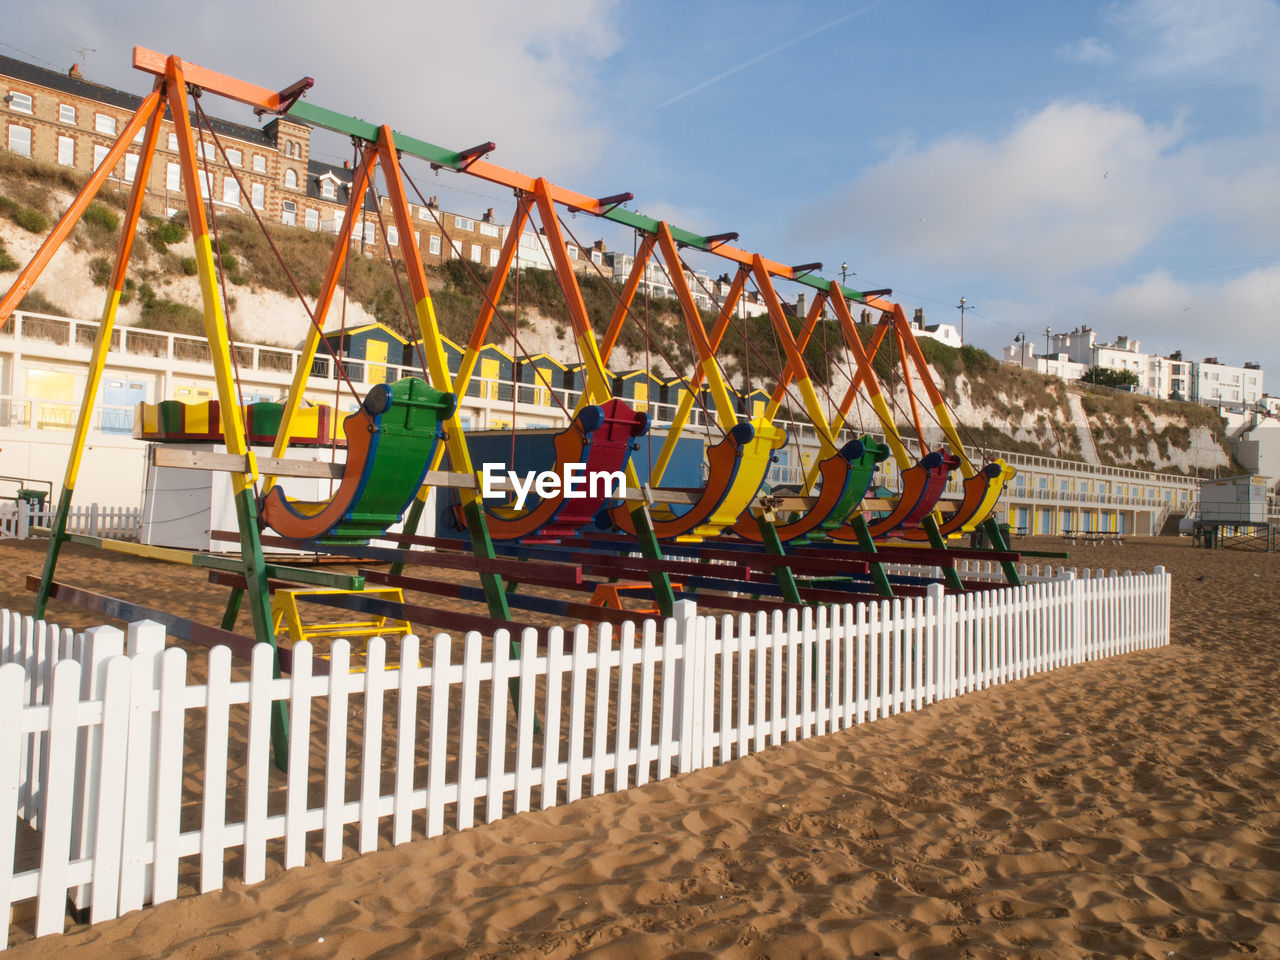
x,y
846,477
922,488
601,438
390,442
737,468
981,494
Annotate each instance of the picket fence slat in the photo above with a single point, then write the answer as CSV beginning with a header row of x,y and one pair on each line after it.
x,y
92,735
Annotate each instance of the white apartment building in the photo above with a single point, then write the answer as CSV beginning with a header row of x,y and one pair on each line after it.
x,y
1072,354
1222,385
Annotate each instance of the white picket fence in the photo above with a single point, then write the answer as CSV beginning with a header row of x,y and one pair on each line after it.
x,y
135,777
94,520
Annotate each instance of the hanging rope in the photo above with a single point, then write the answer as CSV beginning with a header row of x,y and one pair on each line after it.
x,y
697,395
484,292
279,257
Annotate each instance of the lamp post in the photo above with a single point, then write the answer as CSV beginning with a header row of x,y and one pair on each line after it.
x,y
961,307
845,272
1022,338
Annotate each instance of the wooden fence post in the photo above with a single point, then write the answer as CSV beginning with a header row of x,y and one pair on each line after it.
x,y
685,685
145,644
100,644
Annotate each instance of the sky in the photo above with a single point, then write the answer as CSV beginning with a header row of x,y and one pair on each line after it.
x,y
1115,165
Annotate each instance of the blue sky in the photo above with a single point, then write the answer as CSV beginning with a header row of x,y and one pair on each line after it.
x,y
1113,164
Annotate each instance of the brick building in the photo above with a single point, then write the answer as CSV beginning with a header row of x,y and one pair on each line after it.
x,y
66,120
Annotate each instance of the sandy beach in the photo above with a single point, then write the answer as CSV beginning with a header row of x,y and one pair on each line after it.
x,y
1121,808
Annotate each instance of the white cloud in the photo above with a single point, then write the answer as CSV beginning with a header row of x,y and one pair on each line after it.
x,y
1234,318
1090,50
1072,187
525,75
1199,40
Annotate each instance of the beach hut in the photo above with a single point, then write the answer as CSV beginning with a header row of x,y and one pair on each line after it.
x,y
367,352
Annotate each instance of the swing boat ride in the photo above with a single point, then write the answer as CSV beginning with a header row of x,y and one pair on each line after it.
x,y
730,544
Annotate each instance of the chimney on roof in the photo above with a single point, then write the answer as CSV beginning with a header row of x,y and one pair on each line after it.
x,y
74,72
918,320
800,305
599,245
346,164
488,215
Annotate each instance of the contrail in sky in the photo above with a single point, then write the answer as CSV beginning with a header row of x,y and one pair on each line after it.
x,y
764,56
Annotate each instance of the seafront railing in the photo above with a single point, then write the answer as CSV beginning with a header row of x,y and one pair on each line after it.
x,y
127,780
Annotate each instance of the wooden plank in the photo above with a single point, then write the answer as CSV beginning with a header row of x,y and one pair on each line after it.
x,y
187,558
600,709
295,810
438,734
51,909
467,736
541,574
551,725
371,742
116,699
213,813
548,605
170,719
406,729
257,765
335,764
206,636
498,692
163,455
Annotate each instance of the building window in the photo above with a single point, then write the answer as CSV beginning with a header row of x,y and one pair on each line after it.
x,y
130,166
338,217
20,102
369,236
462,223
172,177
489,230
235,157
104,124
433,245
67,151
20,140
230,191
259,163
456,246
206,181
393,237
99,154
173,142
290,213
493,257
66,113
313,219
571,250
477,253
291,179
258,195
328,189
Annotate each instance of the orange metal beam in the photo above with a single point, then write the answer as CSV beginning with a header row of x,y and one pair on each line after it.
x,y
270,101
628,295
494,293
31,272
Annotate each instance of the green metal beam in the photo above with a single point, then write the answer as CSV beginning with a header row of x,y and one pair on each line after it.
x,y
454,160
